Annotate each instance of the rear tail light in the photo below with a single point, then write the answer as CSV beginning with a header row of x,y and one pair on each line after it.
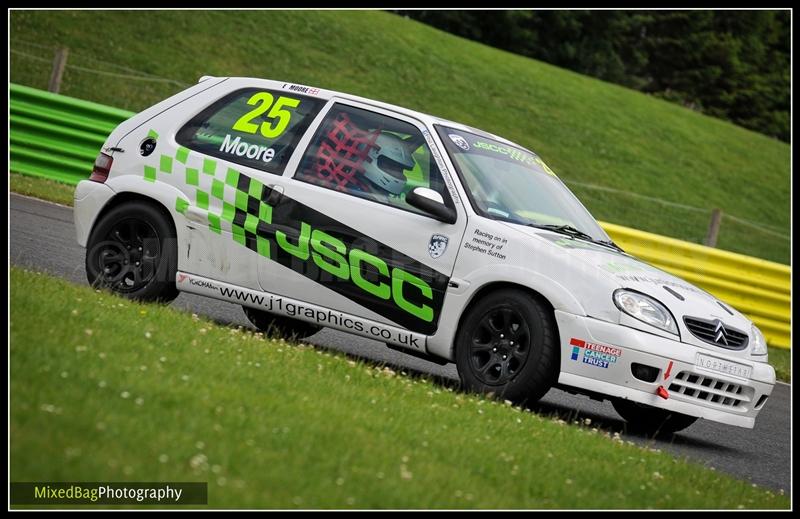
x,y
101,168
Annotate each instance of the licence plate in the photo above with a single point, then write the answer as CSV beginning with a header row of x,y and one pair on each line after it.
x,y
723,366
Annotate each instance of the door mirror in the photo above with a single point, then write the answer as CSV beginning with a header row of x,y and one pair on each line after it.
x,y
432,203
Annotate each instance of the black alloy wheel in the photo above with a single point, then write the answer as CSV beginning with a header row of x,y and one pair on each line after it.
x,y
129,255
500,346
132,251
507,345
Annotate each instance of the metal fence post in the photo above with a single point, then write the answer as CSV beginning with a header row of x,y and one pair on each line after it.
x,y
59,63
713,228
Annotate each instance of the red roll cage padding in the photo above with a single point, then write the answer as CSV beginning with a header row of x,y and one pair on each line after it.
x,y
341,154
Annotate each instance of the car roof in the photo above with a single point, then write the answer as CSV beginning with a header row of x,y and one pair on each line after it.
x,y
326,94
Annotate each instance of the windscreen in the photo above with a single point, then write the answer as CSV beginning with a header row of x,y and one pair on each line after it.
x,y
508,183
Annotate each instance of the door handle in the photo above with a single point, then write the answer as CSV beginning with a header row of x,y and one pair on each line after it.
x,y
275,195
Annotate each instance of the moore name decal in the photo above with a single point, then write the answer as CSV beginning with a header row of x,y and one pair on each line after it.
x,y
303,89
242,149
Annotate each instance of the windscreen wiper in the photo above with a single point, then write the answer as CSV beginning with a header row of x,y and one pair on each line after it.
x,y
576,233
609,243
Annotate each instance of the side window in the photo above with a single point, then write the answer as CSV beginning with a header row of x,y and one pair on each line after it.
x,y
370,156
253,127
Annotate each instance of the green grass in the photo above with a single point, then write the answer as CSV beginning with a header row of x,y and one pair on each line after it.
x,y
42,188
781,360
587,130
107,389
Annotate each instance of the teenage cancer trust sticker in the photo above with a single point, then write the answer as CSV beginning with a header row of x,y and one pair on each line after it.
x,y
594,354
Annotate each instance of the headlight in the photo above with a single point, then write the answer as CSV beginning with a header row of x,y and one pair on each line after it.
x,y
759,342
645,309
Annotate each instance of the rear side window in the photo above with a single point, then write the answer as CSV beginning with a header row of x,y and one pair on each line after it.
x,y
253,127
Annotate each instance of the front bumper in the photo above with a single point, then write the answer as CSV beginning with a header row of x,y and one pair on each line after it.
x,y
596,356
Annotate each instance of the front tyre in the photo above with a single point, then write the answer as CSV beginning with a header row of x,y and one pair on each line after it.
x,y
650,420
132,251
507,345
280,326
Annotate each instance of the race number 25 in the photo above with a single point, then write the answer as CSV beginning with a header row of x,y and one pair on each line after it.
x,y
278,112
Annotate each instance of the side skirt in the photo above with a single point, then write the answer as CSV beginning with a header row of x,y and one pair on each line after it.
x,y
300,310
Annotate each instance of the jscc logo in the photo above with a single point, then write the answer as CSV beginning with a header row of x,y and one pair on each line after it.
x,y
332,256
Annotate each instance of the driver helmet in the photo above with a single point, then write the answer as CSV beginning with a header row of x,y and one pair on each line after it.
x,y
389,159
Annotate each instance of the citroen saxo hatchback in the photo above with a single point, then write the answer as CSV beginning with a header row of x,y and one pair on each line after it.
x,y
312,208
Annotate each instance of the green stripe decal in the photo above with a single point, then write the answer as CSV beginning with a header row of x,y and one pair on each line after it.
x,y
265,212
251,223
217,189
228,211
165,164
232,177
238,234
192,177
255,188
214,223
202,199
182,155
241,200
209,166
181,205
262,244
152,133
150,173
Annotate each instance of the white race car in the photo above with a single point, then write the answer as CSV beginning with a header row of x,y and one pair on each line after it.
x,y
312,208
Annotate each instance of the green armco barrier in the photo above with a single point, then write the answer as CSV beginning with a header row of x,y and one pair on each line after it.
x,y
55,136
59,137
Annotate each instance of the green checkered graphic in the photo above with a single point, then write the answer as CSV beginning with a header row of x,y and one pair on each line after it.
x,y
182,155
209,166
166,164
232,177
192,177
244,209
217,189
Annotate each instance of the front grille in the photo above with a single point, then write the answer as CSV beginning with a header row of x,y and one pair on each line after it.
x,y
716,333
710,389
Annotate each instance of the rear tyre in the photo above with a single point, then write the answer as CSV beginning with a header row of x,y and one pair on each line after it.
x,y
132,251
507,345
279,326
651,421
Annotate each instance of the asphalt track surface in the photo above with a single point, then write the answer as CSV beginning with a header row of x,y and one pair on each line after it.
x,y
42,237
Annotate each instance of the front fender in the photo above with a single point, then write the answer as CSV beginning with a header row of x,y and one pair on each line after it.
x,y
458,299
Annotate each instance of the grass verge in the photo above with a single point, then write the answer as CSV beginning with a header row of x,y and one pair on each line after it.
x,y
107,389
781,360
43,188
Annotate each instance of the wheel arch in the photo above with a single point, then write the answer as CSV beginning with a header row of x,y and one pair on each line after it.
x,y
160,194
552,295
131,196
161,286
547,371
501,285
